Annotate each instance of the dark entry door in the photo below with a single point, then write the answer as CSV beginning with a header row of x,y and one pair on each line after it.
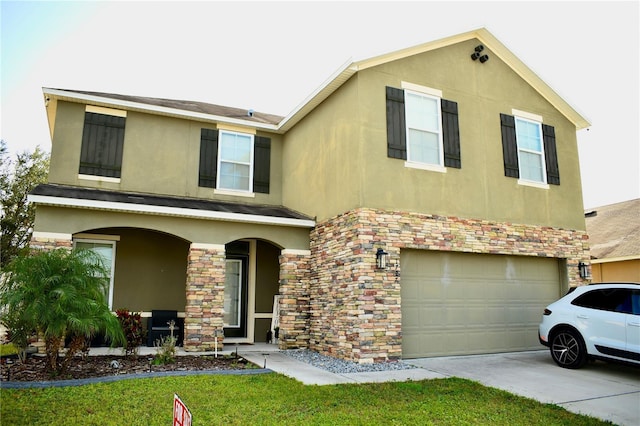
x,y
235,289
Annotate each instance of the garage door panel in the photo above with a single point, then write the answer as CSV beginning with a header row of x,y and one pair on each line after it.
x,y
463,303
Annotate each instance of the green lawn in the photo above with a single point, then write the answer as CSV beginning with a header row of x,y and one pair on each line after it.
x,y
275,399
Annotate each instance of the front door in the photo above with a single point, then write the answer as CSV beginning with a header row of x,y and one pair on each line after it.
x,y
235,290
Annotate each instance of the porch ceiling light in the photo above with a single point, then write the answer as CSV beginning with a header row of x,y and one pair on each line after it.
x,y
382,259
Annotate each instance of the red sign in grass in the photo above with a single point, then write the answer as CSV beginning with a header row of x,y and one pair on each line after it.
x,y
181,414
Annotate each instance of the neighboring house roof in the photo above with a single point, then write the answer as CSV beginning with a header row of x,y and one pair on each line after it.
x,y
614,230
275,123
70,196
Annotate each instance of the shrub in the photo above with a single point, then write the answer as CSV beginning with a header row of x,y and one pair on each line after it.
x,y
131,323
60,294
166,350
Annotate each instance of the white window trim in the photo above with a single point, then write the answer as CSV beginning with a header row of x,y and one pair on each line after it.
x,y
417,164
421,89
99,178
425,166
533,184
537,120
106,111
433,94
231,191
236,193
113,261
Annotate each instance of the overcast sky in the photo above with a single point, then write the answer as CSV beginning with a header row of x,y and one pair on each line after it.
x,y
270,56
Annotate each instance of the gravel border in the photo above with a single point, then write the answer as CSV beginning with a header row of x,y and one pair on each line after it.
x,y
339,366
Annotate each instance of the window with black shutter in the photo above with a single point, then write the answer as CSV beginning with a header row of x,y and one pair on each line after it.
x,y
529,150
102,144
227,163
416,139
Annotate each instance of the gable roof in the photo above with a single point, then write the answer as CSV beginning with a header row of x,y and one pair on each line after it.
x,y
614,230
482,34
217,113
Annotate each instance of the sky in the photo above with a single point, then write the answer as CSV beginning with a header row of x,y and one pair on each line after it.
x,y
270,56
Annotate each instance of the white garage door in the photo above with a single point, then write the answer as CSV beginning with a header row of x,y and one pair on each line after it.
x,y
462,303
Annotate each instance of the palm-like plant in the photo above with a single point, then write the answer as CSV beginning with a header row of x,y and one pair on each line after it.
x,y
60,294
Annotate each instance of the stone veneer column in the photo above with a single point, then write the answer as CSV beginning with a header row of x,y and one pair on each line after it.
x,y
50,241
294,301
356,309
205,297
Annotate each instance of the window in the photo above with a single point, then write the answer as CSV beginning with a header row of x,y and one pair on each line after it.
x,y
616,300
529,149
106,250
102,142
424,137
233,161
530,152
422,128
232,293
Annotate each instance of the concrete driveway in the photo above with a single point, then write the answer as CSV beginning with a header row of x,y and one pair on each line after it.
x,y
603,390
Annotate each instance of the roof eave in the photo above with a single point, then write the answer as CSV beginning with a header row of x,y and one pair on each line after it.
x,y
114,206
105,101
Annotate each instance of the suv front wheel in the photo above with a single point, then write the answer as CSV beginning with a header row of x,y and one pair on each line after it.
x,y
568,349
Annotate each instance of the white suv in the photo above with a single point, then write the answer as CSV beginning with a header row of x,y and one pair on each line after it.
x,y
595,321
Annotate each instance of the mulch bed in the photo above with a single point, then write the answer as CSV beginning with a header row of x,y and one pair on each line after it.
x,y
33,369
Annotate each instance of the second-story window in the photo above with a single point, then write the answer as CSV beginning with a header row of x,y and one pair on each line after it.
x,y
235,171
422,128
529,149
424,135
233,161
102,142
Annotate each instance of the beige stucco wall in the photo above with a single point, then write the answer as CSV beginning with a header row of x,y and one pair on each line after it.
x,y
621,271
336,158
160,156
71,221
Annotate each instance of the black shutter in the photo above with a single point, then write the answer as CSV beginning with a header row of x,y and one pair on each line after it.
x,y
396,127
208,158
509,146
261,164
102,145
551,155
450,134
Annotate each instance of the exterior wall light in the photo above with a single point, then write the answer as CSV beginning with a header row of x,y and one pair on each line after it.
x,y
382,259
584,270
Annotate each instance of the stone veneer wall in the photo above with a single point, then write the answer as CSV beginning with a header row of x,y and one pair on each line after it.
x,y
356,310
49,243
294,301
205,297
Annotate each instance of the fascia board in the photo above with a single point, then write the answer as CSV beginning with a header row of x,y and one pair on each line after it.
x,y
168,211
137,106
615,259
337,79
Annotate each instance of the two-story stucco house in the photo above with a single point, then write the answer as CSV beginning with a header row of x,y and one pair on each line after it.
x,y
451,157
